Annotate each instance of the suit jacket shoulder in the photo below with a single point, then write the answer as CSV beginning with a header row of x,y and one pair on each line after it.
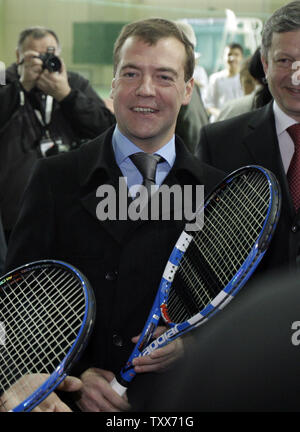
x,y
247,139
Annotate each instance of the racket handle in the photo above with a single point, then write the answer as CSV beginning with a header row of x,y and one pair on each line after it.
x,y
117,387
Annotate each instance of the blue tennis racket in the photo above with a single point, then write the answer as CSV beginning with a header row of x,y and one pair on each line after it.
x,y
208,267
47,311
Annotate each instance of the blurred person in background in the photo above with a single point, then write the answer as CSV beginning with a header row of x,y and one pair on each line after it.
x,y
192,116
44,110
225,85
200,74
256,91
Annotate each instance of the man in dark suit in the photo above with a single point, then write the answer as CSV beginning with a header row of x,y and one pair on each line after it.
x,y
123,259
262,137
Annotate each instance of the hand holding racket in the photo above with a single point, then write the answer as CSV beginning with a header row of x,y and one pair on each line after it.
x,y
208,267
47,310
161,360
13,396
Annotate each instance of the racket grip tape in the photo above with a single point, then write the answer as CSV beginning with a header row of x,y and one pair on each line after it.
x,y
117,387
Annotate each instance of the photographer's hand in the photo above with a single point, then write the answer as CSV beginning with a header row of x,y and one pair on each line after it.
x,y
55,84
30,68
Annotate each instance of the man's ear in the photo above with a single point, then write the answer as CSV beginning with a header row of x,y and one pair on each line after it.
x,y
188,91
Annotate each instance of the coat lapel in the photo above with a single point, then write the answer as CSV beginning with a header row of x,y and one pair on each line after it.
x,y
262,140
98,168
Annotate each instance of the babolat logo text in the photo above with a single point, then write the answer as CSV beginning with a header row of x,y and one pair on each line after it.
x,y
296,335
2,333
161,340
167,203
2,73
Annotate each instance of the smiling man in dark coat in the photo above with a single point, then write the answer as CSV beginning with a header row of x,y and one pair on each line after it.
x,y
123,259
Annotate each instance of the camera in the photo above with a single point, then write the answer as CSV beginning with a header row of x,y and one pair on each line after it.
x,y
50,60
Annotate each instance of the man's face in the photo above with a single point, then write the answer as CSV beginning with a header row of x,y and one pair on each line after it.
x,y
234,57
149,89
283,53
39,45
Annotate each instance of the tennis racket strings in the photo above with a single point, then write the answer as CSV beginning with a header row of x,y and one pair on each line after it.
x,y
208,267
233,221
42,311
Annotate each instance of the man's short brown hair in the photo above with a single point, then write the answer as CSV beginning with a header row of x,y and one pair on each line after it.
x,y
284,19
36,33
151,31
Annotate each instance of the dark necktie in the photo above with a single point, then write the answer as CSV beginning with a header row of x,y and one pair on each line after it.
x,y
293,173
147,164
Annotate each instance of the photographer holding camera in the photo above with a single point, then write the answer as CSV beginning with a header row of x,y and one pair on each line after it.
x,y
44,110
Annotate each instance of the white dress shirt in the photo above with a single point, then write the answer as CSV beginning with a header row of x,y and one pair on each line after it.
x,y
222,88
286,144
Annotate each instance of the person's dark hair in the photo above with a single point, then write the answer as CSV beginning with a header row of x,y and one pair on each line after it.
x,y
255,66
36,33
284,19
235,45
151,31
263,95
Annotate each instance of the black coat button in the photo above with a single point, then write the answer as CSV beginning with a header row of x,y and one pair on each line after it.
x,y
111,275
117,340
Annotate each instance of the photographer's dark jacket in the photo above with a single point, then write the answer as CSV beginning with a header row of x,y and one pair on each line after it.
x,y
82,115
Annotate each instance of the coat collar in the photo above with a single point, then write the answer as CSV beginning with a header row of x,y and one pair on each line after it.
x,y
97,166
97,163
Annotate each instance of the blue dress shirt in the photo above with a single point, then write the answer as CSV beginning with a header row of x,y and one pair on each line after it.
x,y
123,148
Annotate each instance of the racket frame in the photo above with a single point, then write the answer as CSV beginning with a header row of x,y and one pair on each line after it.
x,y
250,264
121,382
77,347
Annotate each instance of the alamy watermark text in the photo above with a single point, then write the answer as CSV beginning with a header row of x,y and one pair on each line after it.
x,y
175,202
